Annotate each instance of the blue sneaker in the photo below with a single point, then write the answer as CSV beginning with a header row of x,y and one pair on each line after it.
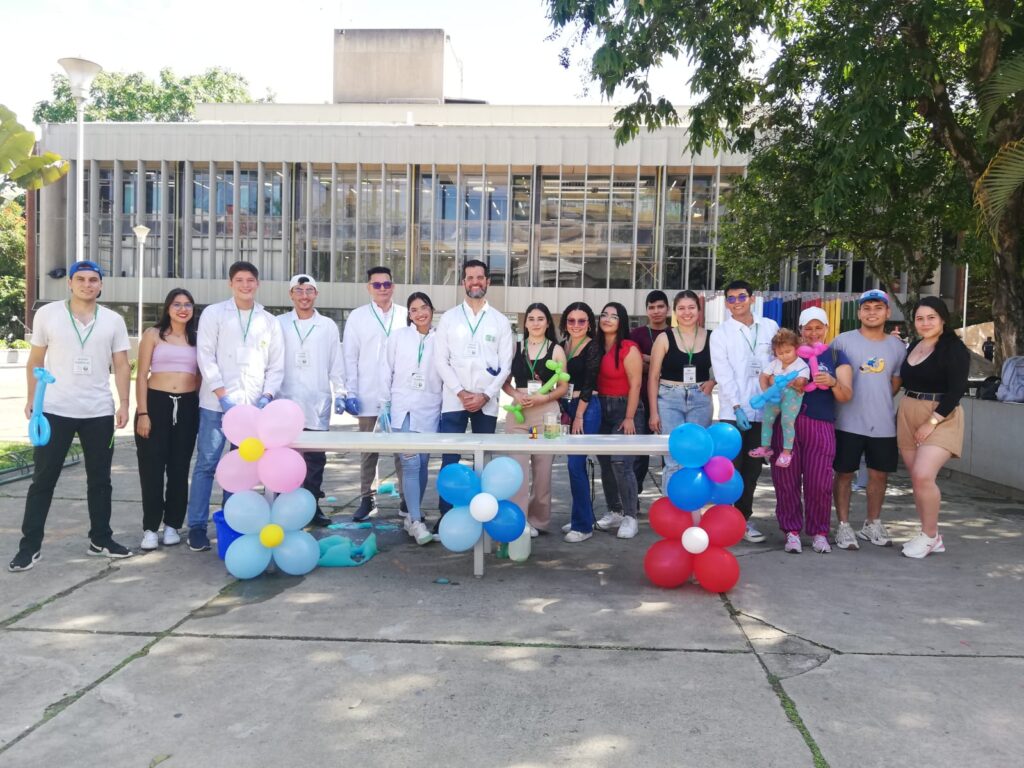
x,y
198,539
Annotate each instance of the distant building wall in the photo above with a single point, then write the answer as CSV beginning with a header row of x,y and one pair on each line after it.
x,y
381,65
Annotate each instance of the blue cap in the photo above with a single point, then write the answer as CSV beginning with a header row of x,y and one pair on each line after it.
x,y
85,264
874,295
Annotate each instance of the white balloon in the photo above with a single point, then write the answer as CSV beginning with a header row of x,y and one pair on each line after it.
x,y
483,507
695,540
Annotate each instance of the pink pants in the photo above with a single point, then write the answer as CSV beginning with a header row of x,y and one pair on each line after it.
x,y
811,470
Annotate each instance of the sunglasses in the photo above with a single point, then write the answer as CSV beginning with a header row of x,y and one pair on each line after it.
x,y
575,321
381,286
740,298
179,305
304,291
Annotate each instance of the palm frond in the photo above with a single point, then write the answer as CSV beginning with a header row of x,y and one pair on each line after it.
x,y
1000,181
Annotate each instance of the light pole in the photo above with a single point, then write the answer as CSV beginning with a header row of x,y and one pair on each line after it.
x,y
140,233
80,75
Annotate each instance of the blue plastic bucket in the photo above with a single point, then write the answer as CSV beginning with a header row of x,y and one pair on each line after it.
x,y
225,533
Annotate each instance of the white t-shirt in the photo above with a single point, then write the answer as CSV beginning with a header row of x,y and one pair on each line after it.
x,y
79,357
799,366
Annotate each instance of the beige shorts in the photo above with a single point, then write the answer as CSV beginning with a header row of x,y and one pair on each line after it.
x,y
912,413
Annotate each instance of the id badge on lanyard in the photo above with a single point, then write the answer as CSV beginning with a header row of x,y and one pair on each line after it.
x,y
417,382
302,359
690,374
82,365
533,387
472,349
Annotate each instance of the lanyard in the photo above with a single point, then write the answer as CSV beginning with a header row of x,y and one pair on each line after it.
x,y
419,355
472,328
533,365
302,339
689,352
752,344
245,330
74,325
387,330
576,349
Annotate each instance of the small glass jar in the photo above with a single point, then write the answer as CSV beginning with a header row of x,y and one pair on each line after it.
x,y
552,428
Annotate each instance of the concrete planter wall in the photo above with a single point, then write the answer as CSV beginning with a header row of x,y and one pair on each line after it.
x,y
993,450
14,356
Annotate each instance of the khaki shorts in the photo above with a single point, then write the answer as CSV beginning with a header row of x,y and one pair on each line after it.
x,y
949,434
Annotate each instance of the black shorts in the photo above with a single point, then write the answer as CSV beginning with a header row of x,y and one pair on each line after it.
x,y
880,453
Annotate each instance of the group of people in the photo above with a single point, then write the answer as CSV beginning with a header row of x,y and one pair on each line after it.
x,y
395,367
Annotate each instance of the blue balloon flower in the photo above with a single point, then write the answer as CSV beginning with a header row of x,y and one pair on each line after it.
x,y
727,440
691,445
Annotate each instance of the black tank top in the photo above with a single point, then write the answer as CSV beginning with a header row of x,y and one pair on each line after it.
x,y
676,359
521,366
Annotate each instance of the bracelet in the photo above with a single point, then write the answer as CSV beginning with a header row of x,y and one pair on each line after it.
x,y
141,414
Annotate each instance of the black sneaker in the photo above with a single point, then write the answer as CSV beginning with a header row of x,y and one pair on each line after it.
x,y
198,539
367,508
320,520
111,549
23,561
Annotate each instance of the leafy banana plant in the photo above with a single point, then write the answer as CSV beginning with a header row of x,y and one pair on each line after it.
x,y
18,165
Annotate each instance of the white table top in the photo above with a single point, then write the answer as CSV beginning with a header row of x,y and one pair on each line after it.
x,y
399,442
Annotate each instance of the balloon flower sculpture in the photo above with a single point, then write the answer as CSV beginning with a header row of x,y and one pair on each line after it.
x,y
263,457
810,354
695,543
557,376
774,393
480,503
38,425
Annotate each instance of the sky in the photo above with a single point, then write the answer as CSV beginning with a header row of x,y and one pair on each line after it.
x,y
286,47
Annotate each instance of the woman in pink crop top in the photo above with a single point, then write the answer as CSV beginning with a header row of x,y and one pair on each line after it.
x,y
167,416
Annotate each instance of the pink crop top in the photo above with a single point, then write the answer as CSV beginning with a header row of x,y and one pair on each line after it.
x,y
170,358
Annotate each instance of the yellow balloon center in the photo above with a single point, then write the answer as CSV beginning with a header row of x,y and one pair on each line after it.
x,y
271,535
251,449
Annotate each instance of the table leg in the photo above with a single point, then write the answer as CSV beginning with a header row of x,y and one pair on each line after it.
x,y
483,545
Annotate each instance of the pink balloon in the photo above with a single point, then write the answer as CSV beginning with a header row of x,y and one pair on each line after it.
x,y
282,469
235,474
719,469
240,423
279,423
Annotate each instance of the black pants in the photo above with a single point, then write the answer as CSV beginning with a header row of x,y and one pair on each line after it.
x,y
316,461
167,452
97,438
748,467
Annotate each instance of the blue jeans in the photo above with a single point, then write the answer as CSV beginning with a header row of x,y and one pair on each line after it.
x,y
618,479
414,465
209,448
681,405
454,422
582,507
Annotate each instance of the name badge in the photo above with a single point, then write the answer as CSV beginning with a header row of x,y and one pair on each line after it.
x,y
246,356
532,387
417,381
302,358
689,374
754,368
82,365
473,349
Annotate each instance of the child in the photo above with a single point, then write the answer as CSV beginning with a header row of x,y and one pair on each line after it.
x,y
784,345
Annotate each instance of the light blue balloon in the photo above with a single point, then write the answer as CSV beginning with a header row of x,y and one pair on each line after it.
x,y
727,492
689,489
458,530
298,554
501,477
727,440
247,512
691,445
457,484
293,510
247,558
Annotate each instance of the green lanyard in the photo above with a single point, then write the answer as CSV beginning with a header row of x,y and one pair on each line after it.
x,y
419,355
689,352
472,328
533,365
74,325
575,350
391,322
302,339
245,330
753,344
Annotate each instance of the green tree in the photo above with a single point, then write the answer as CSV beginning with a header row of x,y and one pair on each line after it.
x,y
18,165
133,97
12,267
873,75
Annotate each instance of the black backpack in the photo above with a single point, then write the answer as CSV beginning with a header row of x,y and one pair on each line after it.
x,y
988,388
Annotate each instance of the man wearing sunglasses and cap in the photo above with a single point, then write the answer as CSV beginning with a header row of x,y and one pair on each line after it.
x,y
367,330
77,341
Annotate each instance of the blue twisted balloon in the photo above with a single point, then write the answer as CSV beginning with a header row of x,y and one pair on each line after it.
x,y
38,426
774,393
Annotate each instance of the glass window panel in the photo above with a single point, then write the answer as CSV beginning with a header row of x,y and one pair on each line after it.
x,y
675,199
548,224
700,269
345,197
673,267
420,272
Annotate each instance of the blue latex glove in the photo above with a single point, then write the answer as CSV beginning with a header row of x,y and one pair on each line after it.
x,y
384,418
742,422
264,401
352,405
339,405
226,403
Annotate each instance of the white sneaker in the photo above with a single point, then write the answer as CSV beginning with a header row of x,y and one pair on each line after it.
x,y
171,537
609,521
567,527
418,531
845,538
921,546
753,535
534,533
149,540
821,545
876,533
575,537
627,528
793,543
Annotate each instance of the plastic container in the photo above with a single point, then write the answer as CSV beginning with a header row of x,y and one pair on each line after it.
x,y
225,533
519,550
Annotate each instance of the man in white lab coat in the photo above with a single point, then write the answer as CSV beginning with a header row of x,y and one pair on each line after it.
x,y
366,334
241,358
313,368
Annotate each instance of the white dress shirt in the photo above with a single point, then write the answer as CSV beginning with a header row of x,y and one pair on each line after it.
x,y
734,349
239,351
477,361
312,366
415,385
366,335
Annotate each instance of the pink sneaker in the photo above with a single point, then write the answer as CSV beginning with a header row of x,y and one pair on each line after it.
x,y
784,460
760,453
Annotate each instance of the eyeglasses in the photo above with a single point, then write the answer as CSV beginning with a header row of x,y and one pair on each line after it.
x,y
740,297
576,321
381,286
179,305
304,291
609,316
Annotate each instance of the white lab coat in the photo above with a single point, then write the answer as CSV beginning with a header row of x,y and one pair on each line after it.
x,y
730,358
482,374
313,366
363,344
400,363
219,346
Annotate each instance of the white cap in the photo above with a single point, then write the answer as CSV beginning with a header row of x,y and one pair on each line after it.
x,y
302,280
812,313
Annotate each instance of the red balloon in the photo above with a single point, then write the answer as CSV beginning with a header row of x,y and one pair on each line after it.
x,y
716,569
725,525
667,520
667,564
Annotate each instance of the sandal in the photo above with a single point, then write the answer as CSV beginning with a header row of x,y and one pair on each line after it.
x,y
760,453
784,460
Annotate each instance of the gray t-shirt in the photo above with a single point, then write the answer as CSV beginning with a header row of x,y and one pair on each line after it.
x,y
871,411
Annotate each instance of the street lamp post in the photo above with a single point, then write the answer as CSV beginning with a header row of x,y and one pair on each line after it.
x,y
80,75
140,234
